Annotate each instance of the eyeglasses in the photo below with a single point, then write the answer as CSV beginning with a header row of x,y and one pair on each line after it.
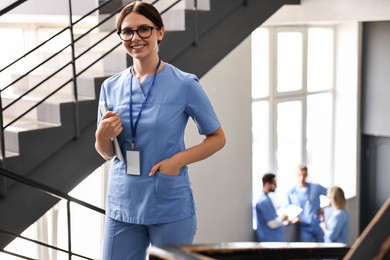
x,y
143,32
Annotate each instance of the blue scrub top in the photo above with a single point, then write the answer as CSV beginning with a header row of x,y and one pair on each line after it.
x,y
309,201
175,96
338,227
266,212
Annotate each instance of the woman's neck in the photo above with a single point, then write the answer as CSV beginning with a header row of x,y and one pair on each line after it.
x,y
142,69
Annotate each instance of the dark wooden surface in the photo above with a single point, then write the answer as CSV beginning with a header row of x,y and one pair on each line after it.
x,y
250,250
374,242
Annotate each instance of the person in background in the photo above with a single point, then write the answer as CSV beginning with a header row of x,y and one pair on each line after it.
x,y
269,224
149,198
336,226
306,195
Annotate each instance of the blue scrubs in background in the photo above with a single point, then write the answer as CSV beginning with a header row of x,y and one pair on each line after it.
x,y
265,212
309,200
338,227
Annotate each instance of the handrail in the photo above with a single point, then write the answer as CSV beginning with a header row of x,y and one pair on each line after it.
x,y
11,6
21,179
54,193
57,53
12,234
47,189
2,127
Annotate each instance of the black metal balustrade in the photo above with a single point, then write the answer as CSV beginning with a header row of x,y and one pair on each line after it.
x,y
4,173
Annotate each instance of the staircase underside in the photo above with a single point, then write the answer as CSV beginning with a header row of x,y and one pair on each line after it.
x,y
67,161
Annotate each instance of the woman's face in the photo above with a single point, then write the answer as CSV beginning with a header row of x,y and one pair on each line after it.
x,y
330,195
137,47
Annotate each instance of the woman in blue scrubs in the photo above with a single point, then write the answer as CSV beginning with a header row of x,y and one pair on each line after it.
x,y
336,225
149,198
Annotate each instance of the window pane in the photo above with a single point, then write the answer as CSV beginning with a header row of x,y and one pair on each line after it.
x,y
260,63
260,147
319,137
260,135
289,61
320,59
289,147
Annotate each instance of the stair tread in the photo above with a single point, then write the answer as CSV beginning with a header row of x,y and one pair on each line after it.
x,y
26,125
9,154
56,98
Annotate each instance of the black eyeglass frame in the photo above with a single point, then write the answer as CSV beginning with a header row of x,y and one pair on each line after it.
x,y
136,30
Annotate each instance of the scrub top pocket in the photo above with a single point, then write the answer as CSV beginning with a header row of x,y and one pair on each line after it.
x,y
171,187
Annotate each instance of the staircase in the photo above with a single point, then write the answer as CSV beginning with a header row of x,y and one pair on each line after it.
x,y
54,142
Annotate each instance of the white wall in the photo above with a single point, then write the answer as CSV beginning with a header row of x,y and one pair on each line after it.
x,y
332,11
222,184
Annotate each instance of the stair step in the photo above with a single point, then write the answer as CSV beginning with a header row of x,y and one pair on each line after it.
x,y
85,85
46,113
11,133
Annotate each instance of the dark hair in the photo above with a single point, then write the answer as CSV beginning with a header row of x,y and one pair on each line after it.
x,y
302,167
142,8
268,178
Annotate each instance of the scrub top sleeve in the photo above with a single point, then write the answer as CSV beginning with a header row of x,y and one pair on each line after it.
x,y
199,107
323,190
102,97
267,211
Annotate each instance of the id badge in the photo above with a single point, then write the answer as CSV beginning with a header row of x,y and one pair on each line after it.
x,y
133,162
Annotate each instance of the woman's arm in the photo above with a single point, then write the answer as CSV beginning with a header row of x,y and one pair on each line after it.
x,y
110,126
211,144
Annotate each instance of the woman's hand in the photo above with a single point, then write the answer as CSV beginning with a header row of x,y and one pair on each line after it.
x,y
110,127
168,166
208,146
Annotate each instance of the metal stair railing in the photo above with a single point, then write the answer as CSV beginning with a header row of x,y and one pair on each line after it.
x,y
3,190
24,180
54,193
71,63
12,6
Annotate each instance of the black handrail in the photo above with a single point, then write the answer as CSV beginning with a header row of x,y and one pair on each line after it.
x,y
60,51
51,57
2,127
54,193
61,31
54,55
21,179
11,6
12,234
47,189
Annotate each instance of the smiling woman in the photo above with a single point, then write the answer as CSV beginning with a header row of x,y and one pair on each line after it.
x,y
150,198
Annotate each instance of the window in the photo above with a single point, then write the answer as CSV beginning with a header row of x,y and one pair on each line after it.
x,y
294,106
